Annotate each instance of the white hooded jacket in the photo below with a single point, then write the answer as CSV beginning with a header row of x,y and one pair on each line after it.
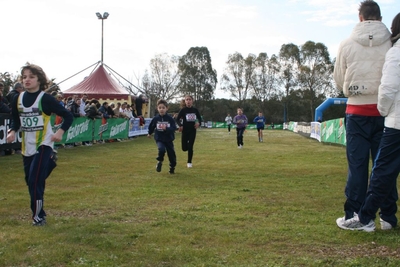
x,y
359,62
389,90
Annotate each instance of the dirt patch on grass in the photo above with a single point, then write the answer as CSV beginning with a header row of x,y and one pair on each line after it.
x,y
361,250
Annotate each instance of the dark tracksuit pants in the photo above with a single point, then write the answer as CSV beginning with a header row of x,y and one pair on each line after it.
x,y
169,147
382,191
239,136
188,138
37,168
363,134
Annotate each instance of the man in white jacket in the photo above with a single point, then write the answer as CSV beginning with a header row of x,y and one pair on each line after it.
x,y
358,71
382,189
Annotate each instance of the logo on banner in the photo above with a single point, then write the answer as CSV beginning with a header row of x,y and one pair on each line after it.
x,y
57,123
78,129
341,129
103,126
117,129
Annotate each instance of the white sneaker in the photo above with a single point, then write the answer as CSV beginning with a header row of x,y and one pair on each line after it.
x,y
189,165
355,224
240,147
385,225
340,220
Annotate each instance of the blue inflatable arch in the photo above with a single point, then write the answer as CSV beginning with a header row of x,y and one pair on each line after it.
x,y
327,103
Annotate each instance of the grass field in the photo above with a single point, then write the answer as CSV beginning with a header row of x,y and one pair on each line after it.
x,y
269,204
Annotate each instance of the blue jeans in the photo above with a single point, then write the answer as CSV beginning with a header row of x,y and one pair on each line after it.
x,y
169,148
363,136
382,191
239,136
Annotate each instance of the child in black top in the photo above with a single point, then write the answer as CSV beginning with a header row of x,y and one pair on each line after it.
x,y
188,119
164,127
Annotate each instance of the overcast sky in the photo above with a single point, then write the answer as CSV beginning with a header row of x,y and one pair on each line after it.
x,y
64,36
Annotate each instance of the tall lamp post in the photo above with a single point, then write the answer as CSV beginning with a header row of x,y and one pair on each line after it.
x,y
99,16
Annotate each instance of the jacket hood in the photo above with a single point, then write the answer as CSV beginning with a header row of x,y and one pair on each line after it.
x,y
370,33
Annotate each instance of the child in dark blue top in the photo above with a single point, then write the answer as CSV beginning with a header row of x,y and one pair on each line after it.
x,y
163,126
260,122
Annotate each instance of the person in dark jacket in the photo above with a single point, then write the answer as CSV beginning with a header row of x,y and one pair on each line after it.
x,y
92,111
17,89
4,108
104,110
4,103
139,101
110,110
163,126
75,108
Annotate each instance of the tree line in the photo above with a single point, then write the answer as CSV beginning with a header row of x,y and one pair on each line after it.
x,y
285,87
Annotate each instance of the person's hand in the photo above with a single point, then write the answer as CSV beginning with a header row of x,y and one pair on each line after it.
x,y
149,136
180,128
10,137
196,125
57,137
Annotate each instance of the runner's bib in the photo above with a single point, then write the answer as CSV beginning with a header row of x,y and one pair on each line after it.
x,y
191,117
160,124
32,121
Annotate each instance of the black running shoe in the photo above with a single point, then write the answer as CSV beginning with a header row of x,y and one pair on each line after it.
x,y
171,170
158,166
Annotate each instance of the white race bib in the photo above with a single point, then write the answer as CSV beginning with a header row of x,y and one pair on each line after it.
x,y
191,117
32,121
160,124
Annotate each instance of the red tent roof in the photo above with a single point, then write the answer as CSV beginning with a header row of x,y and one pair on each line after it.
x,y
98,85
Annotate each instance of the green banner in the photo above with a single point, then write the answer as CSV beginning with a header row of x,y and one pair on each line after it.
x,y
219,125
85,129
291,126
80,130
328,131
276,127
333,131
105,129
340,131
